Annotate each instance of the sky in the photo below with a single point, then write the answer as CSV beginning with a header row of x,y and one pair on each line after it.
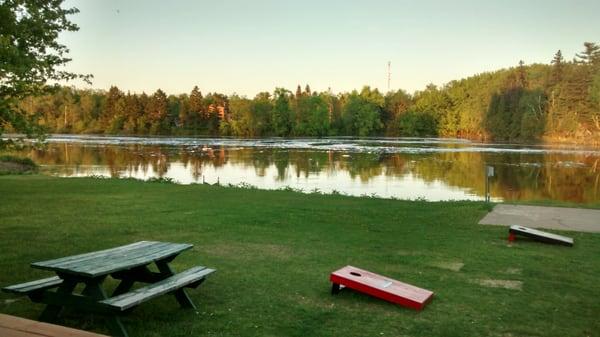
x,y
246,47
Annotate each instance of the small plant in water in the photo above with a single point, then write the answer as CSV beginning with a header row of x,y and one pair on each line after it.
x,y
245,186
97,176
291,189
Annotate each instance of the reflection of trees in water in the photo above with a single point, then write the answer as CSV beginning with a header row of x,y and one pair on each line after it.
x,y
522,176
517,176
363,165
281,160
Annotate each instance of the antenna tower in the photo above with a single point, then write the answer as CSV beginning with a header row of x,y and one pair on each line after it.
x,y
389,73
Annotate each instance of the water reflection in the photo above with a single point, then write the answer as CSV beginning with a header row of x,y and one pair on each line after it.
x,y
443,175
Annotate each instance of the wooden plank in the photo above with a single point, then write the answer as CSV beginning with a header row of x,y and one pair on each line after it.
x,y
99,255
135,297
5,332
118,254
380,286
541,235
24,288
111,260
83,257
122,263
11,326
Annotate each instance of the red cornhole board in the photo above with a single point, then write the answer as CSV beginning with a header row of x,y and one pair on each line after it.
x,y
380,286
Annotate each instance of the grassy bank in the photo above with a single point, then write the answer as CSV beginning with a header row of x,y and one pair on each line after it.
x,y
16,165
274,251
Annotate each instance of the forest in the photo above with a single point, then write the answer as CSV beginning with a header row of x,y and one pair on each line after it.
x,y
559,101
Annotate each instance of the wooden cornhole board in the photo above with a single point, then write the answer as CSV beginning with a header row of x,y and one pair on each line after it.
x,y
538,235
379,286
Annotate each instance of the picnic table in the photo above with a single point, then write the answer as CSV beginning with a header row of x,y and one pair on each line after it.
x,y
128,264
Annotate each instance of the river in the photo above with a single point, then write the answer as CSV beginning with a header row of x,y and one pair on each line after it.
x,y
406,168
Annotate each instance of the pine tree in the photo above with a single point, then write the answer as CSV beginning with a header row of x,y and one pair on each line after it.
x,y
157,110
558,65
591,54
110,107
197,111
307,90
522,75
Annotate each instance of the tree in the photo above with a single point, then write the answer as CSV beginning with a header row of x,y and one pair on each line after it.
x,y
156,111
259,122
31,57
282,113
595,97
591,54
317,118
396,104
522,75
90,104
558,65
133,111
197,110
532,109
183,119
110,110
361,113
241,118
307,90
417,124
143,122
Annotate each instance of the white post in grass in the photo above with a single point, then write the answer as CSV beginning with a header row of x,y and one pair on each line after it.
x,y
489,172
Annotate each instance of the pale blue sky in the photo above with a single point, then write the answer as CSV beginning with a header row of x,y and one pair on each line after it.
x,y
251,46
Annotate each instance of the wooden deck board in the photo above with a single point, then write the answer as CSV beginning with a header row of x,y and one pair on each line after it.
x,y
11,326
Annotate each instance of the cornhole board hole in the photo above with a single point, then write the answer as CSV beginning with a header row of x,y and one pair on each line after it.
x,y
379,286
538,235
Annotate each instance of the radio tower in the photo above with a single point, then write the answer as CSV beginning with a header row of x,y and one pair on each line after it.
x,y
389,73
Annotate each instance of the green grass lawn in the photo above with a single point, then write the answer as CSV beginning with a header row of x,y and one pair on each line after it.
x,y
274,250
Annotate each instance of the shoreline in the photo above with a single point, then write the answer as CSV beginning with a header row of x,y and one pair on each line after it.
x,y
545,141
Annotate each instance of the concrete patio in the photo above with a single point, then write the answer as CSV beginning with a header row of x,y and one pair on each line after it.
x,y
561,218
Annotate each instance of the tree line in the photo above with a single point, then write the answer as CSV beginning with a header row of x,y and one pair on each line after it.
x,y
555,101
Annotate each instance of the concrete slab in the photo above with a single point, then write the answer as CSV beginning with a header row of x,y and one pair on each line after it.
x,y
562,218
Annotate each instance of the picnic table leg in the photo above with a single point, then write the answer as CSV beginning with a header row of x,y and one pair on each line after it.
x,y
182,297
123,287
129,277
95,291
51,312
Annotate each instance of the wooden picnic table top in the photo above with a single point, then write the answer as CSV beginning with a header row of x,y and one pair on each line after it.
x,y
112,260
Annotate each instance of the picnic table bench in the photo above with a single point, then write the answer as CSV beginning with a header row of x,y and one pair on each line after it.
x,y
128,264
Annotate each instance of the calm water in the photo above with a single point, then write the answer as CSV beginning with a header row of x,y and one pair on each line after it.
x,y
407,168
